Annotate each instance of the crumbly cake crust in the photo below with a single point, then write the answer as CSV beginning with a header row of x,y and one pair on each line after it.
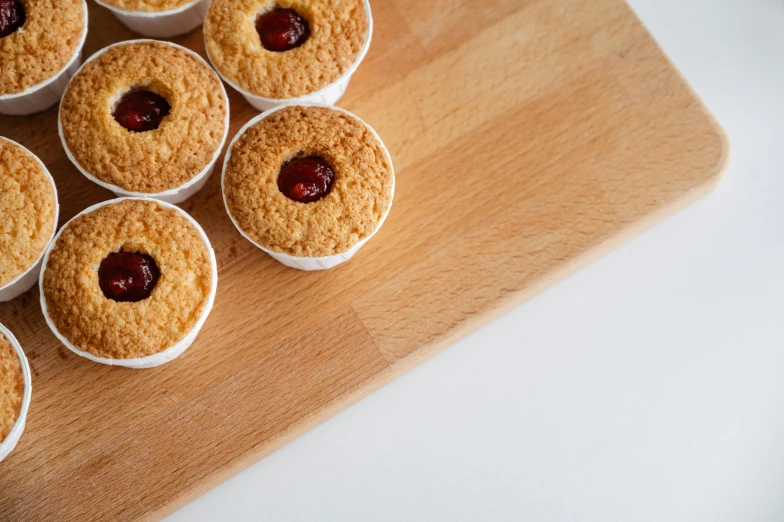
x,y
360,196
42,46
147,6
27,210
157,160
338,29
11,387
111,329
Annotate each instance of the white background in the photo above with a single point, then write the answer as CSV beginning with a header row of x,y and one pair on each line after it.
x,y
646,387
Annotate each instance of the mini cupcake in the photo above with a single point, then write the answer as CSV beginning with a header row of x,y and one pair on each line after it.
x,y
288,51
158,18
129,282
28,217
40,49
145,118
309,185
16,390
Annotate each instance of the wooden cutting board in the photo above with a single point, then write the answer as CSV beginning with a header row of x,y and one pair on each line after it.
x,y
529,138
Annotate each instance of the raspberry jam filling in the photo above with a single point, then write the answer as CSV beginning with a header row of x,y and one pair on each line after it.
x,y
282,30
12,16
306,179
128,277
141,111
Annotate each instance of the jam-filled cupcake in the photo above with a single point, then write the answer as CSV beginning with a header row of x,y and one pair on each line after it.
x,y
28,217
288,51
145,118
129,282
158,18
40,49
309,185
15,391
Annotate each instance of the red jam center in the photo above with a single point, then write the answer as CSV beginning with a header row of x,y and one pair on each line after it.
x,y
306,179
12,16
141,111
282,30
127,277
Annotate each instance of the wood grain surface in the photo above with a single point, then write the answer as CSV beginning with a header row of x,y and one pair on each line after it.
x,y
529,137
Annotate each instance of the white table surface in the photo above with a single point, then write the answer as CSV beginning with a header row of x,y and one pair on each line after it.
x,y
648,386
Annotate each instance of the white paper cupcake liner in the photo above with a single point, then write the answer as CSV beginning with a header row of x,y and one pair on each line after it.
x,y
162,24
49,92
175,195
8,445
159,358
306,263
25,281
328,95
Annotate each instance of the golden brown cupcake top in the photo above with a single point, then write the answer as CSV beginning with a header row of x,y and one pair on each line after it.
x,y
338,29
122,330
27,210
149,6
45,44
156,160
359,199
11,387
